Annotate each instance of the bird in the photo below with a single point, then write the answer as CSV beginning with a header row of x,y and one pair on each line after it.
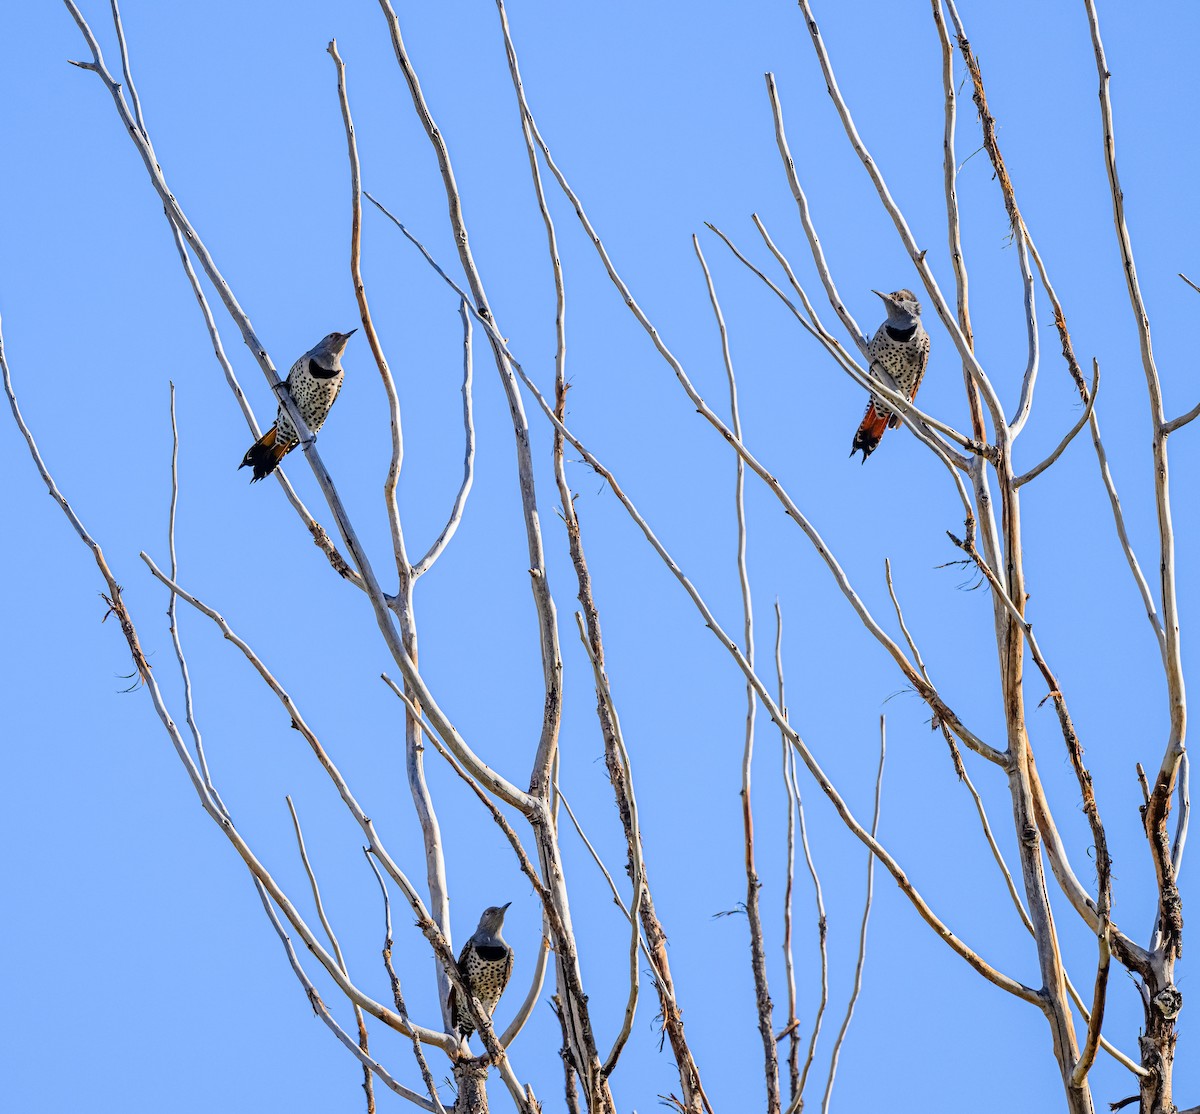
x,y
485,964
900,347
313,383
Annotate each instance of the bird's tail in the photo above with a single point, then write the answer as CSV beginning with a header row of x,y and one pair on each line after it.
x,y
870,432
265,454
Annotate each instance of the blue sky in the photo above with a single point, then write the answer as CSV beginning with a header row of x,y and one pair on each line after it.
x,y
141,970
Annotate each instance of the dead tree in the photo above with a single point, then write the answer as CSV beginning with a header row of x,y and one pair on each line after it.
x,y
984,473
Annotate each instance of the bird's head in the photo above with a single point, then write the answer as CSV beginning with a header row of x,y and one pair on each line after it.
x,y
492,920
903,309
330,348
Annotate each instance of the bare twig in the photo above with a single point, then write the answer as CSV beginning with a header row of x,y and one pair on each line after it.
x,y
1168,934
403,568
953,223
822,930
514,840
207,800
862,933
363,1042
860,338
322,1011
1185,812
1084,418
792,1029
612,885
1182,420
116,606
616,756
394,979
916,653
799,1077
361,1050
1087,1056
1025,403
172,622
1123,536
1108,1047
758,954
460,500
638,875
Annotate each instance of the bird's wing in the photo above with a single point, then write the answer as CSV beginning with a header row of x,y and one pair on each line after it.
x,y
895,419
462,970
508,965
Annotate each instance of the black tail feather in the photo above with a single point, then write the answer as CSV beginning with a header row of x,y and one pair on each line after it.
x,y
265,454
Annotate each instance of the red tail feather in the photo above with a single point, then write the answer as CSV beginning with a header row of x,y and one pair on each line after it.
x,y
870,432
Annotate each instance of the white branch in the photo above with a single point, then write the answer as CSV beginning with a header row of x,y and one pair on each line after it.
x,y
1084,418
862,932
460,500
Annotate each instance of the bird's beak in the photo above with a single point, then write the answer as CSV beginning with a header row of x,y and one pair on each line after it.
x,y
345,337
881,295
505,906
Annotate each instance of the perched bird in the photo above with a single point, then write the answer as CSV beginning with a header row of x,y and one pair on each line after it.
x,y
313,383
901,347
485,964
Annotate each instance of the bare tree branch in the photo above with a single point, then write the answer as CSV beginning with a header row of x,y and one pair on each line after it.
x,y
612,885
403,568
394,979
1170,918
758,952
1185,812
792,1029
862,932
1084,418
460,500
337,951
402,603
322,1011
549,913
916,653
638,874
1123,536
1025,403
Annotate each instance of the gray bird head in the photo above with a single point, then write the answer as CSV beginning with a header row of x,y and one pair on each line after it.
x,y
490,923
903,309
330,349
